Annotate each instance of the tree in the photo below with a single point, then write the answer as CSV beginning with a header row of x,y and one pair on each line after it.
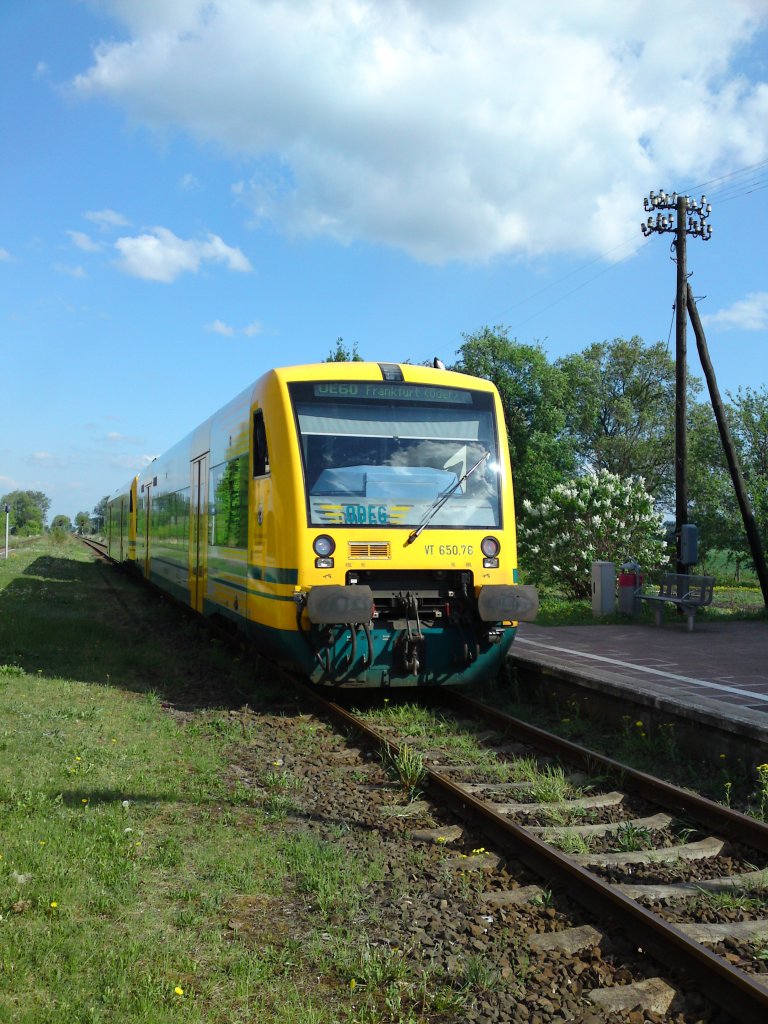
x,y
534,398
29,510
713,505
100,511
62,523
595,517
341,354
622,413
83,522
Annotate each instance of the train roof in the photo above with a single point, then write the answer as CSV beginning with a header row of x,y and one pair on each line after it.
x,y
410,373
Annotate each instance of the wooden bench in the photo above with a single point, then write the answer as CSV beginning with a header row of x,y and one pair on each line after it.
x,y
687,592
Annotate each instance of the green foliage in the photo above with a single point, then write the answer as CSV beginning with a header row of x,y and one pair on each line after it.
x,y
83,522
534,396
61,523
29,510
597,517
100,510
407,766
229,522
623,409
341,354
713,504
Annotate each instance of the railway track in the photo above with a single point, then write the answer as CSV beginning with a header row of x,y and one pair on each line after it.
x,y
632,893
607,882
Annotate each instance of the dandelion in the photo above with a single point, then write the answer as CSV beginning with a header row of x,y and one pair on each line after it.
x,y
84,800
352,984
54,904
179,991
639,725
723,756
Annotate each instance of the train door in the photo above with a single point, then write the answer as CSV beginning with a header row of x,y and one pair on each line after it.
x,y
122,528
198,547
263,542
147,504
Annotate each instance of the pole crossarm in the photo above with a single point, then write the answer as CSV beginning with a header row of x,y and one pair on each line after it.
x,y
695,214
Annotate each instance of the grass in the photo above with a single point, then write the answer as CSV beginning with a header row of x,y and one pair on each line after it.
x,y
136,883
731,601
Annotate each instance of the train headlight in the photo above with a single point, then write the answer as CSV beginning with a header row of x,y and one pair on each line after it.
x,y
324,546
490,547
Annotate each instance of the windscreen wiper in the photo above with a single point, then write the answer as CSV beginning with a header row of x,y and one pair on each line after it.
x,y
441,499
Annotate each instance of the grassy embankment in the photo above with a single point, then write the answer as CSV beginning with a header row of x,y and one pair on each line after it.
x,y
124,852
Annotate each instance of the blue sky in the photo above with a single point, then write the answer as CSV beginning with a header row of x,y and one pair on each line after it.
x,y
193,192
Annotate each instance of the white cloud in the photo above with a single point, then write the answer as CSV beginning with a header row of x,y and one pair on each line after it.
x,y
450,130
159,255
189,183
41,456
748,314
65,268
219,327
250,330
107,219
84,242
5,256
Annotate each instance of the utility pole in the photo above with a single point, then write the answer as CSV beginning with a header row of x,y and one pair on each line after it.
x,y
689,219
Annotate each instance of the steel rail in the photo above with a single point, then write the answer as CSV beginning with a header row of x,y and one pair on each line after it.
x,y
747,830
727,987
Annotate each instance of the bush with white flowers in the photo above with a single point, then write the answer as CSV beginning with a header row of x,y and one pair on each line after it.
x,y
592,518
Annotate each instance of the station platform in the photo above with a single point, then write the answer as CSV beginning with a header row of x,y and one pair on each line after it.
x,y
716,676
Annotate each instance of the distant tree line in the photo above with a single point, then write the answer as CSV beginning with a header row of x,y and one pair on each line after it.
x,y
28,512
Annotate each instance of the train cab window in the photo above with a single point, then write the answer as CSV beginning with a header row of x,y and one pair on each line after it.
x,y
260,451
390,454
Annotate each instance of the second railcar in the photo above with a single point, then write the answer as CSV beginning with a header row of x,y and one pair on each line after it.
x,y
356,519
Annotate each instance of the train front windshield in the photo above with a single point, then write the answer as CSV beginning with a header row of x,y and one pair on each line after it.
x,y
388,454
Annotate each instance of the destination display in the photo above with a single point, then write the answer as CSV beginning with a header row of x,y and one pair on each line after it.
x,y
392,392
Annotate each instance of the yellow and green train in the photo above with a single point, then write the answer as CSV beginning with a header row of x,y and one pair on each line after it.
x,y
355,519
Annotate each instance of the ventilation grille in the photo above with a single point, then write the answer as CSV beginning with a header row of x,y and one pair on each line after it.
x,y
372,549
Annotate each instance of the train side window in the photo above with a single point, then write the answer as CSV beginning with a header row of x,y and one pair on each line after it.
x,y
260,452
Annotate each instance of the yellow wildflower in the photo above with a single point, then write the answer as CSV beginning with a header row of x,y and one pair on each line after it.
x,y
179,990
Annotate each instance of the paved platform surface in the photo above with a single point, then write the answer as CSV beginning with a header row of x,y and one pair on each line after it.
x,y
718,672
